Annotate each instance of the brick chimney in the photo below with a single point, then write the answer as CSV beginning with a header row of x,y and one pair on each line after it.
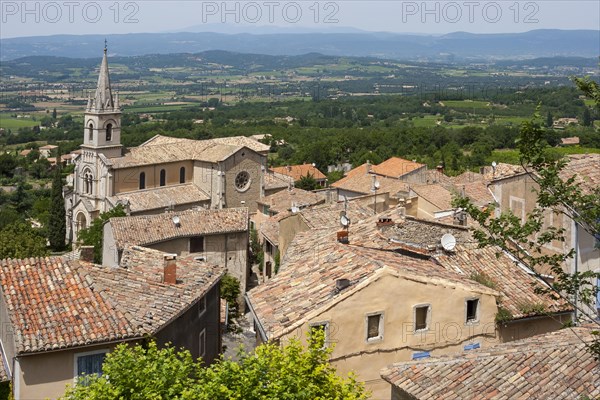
x,y
86,253
170,269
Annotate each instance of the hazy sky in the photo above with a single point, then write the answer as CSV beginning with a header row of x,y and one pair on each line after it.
x,y
32,18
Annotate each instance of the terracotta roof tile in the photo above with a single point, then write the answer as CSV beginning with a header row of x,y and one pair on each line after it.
x,y
273,180
55,304
467,177
299,171
283,200
313,263
436,194
550,366
328,215
396,167
513,281
586,168
359,181
161,197
148,229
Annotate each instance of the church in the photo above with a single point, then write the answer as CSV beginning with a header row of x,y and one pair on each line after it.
x,y
163,173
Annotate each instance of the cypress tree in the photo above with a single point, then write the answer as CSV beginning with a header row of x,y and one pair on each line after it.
x,y
57,226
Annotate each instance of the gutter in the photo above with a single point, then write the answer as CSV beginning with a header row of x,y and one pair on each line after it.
x,y
261,329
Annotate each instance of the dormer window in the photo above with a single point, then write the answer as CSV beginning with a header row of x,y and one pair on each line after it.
x,y
108,132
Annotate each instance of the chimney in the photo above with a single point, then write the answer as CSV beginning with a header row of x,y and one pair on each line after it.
x,y
384,222
368,167
170,269
341,284
342,237
86,253
440,168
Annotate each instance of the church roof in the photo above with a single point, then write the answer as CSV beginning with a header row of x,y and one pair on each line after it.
x,y
163,149
161,197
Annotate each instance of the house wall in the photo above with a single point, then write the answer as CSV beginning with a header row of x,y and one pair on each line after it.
x,y
185,330
128,179
288,228
46,375
244,160
206,178
6,333
447,334
110,253
522,329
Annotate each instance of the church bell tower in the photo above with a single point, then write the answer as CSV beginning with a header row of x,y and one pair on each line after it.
x,y
102,131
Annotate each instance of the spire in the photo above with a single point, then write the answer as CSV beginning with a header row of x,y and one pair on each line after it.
x,y
103,100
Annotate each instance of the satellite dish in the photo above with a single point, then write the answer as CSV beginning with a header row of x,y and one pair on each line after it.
x,y
295,209
448,242
345,221
494,164
376,184
176,220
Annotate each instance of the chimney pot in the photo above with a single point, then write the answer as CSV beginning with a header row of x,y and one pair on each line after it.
x,y
86,253
170,269
342,237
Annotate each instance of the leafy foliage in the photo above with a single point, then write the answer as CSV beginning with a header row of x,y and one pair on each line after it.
x,y
272,372
20,240
230,291
307,182
57,223
93,235
555,194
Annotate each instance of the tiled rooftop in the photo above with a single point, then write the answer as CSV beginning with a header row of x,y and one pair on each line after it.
x,y
556,365
272,180
313,263
299,171
328,215
148,229
163,149
467,177
270,227
55,304
396,167
283,200
3,372
359,181
514,282
161,197
501,171
436,194
587,169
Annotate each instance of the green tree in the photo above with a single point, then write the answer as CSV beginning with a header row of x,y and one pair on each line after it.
x,y
549,120
525,240
586,119
57,223
139,372
307,182
93,235
290,372
20,240
54,114
230,291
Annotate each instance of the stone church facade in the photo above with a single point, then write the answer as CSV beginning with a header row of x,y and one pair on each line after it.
x,y
162,174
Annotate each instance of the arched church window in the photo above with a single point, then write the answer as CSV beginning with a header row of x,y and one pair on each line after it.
x,y
143,180
91,131
108,132
182,175
163,177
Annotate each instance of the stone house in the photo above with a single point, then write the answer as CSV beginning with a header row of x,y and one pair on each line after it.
x,y
297,172
214,236
61,318
390,292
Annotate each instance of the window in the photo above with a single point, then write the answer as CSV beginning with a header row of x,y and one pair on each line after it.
x,y
182,175
108,132
202,306
163,177
202,343
242,181
197,244
89,363
143,180
87,182
374,327
321,327
422,315
472,310
91,132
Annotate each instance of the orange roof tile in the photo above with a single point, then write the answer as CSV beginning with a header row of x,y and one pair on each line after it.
x,y
396,167
549,366
55,304
283,200
299,171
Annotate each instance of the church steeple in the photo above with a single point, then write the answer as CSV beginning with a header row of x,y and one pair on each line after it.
x,y
102,129
103,100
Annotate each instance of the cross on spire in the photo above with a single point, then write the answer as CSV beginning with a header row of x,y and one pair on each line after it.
x,y
105,45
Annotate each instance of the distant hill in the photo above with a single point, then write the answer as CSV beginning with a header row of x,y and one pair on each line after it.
x,y
454,46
